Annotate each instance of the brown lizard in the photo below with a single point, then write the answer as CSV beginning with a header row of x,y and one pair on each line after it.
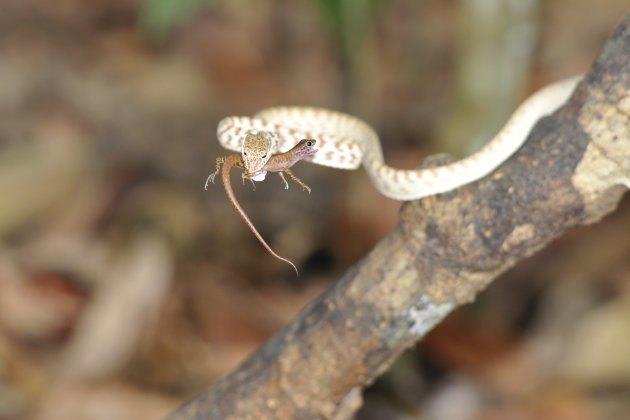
x,y
254,144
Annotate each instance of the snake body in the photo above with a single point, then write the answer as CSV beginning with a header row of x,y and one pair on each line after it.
x,y
346,142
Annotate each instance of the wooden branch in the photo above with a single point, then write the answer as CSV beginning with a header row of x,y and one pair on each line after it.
x,y
572,171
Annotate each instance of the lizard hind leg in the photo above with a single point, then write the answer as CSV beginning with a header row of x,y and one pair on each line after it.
x,y
218,162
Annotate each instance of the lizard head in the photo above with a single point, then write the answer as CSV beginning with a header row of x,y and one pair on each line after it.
x,y
305,148
256,151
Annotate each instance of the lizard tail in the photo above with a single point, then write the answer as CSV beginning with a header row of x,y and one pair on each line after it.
x,y
229,162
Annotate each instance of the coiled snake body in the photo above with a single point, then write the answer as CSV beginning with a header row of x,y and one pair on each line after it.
x,y
346,142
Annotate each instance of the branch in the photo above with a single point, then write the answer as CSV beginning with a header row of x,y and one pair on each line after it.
x,y
572,171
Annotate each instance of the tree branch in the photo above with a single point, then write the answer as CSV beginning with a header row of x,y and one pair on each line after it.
x,y
572,171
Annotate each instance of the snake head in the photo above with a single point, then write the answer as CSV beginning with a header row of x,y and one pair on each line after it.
x,y
256,151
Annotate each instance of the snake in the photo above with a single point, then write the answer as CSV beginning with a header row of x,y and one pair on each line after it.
x,y
347,142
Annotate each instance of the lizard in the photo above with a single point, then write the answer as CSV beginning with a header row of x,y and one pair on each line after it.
x,y
256,160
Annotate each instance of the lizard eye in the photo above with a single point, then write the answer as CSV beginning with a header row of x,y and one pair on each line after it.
x,y
309,143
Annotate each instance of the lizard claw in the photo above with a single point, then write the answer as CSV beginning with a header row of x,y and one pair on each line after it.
x,y
210,179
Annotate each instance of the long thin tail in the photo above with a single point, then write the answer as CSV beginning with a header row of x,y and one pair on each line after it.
x,y
229,162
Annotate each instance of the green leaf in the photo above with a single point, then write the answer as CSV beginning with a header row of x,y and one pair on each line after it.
x,y
158,18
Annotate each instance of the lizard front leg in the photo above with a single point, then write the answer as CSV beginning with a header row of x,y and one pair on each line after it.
x,y
294,178
282,162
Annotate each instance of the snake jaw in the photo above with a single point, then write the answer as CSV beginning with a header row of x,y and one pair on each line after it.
x,y
260,176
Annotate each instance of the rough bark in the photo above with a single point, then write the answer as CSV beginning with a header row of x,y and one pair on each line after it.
x,y
572,171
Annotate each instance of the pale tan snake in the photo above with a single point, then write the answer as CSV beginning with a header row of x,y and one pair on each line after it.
x,y
346,142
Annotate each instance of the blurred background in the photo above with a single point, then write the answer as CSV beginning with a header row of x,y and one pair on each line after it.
x,y
125,288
